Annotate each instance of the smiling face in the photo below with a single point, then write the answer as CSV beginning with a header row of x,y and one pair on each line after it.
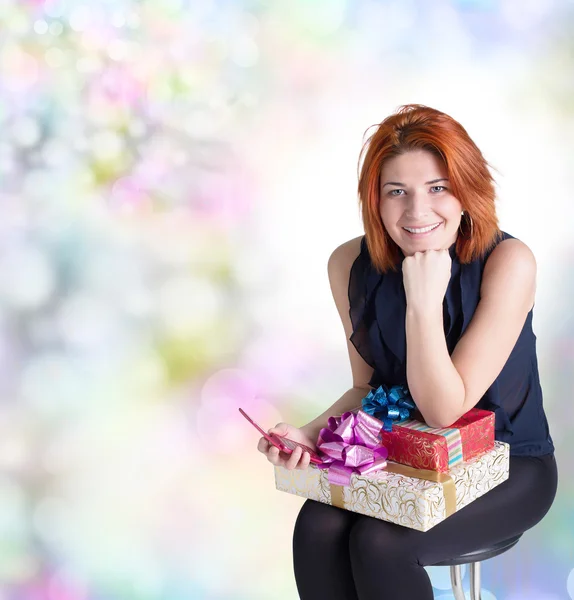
x,y
415,193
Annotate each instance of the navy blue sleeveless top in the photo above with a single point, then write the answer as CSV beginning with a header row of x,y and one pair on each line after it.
x,y
378,313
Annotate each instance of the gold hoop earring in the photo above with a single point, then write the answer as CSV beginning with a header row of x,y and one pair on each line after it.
x,y
469,218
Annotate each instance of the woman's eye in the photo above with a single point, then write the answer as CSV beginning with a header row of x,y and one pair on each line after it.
x,y
439,188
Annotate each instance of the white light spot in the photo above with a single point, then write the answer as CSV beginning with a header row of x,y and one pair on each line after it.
x,y
26,277
56,28
88,64
322,16
133,21
56,153
118,50
54,57
19,24
137,127
26,132
48,377
14,450
86,322
187,304
138,303
245,52
40,26
440,576
80,18
570,584
106,145
118,20
53,8
48,518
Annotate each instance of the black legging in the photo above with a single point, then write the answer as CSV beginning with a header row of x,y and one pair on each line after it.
x,y
341,555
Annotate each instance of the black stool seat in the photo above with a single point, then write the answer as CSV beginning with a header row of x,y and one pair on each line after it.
x,y
480,555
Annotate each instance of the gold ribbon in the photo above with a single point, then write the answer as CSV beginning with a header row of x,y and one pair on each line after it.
x,y
447,482
337,495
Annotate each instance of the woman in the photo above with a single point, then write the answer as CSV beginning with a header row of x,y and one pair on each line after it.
x,y
434,296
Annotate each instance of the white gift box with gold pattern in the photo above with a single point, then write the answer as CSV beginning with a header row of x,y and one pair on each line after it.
x,y
415,498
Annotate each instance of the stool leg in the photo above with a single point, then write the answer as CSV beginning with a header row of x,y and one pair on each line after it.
x,y
456,580
475,581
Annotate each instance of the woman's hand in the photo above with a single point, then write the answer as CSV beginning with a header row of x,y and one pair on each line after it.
x,y
425,277
296,460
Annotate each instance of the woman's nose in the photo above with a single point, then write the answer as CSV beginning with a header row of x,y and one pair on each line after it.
x,y
417,205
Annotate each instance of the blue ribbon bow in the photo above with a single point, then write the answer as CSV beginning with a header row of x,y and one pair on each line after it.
x,y
389,404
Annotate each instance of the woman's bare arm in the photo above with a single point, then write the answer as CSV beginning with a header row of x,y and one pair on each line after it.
x,y
339,268
445,387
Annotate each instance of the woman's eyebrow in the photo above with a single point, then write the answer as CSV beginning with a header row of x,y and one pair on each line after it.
x,y
427,183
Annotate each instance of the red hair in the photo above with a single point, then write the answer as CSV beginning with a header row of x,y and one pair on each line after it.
x,y
418,127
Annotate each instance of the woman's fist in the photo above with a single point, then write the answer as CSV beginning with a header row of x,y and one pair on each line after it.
x,y
425,277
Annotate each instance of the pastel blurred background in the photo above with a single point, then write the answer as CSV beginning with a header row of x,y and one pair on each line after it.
x,y
174,176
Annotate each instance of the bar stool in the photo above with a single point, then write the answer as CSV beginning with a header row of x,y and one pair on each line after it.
x,y
473,559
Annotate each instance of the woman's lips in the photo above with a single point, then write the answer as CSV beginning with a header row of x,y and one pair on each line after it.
x,y
423,235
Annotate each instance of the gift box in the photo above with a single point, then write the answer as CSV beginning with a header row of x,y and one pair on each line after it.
x,y
413,443
415,498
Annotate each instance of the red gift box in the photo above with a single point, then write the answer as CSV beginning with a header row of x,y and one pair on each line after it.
x,y
414,443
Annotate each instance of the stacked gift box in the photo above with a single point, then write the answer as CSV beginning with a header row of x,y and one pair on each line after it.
x,y
384,462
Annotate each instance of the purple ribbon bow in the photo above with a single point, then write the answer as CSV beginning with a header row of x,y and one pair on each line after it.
x,y
352,444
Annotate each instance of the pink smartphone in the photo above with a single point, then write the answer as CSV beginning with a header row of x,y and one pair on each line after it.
x,y
284,444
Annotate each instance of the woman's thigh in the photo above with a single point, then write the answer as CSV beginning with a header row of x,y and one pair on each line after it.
x,y
321,559
507,510
322,524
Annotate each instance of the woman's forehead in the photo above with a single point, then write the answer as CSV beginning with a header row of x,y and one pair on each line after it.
x,y
414,165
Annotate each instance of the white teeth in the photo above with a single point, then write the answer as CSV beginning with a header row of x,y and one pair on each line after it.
x,y
423,230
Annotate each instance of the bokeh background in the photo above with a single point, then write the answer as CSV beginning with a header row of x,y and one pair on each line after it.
x,y
174,176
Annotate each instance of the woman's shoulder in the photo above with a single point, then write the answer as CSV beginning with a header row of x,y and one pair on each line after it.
x,y
509,249
510,264
340,267
344,255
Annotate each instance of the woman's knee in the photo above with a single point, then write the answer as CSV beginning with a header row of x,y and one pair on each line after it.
x,y
317,521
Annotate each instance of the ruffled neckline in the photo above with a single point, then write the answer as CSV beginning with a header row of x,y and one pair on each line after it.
x,y
385,294
378,315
